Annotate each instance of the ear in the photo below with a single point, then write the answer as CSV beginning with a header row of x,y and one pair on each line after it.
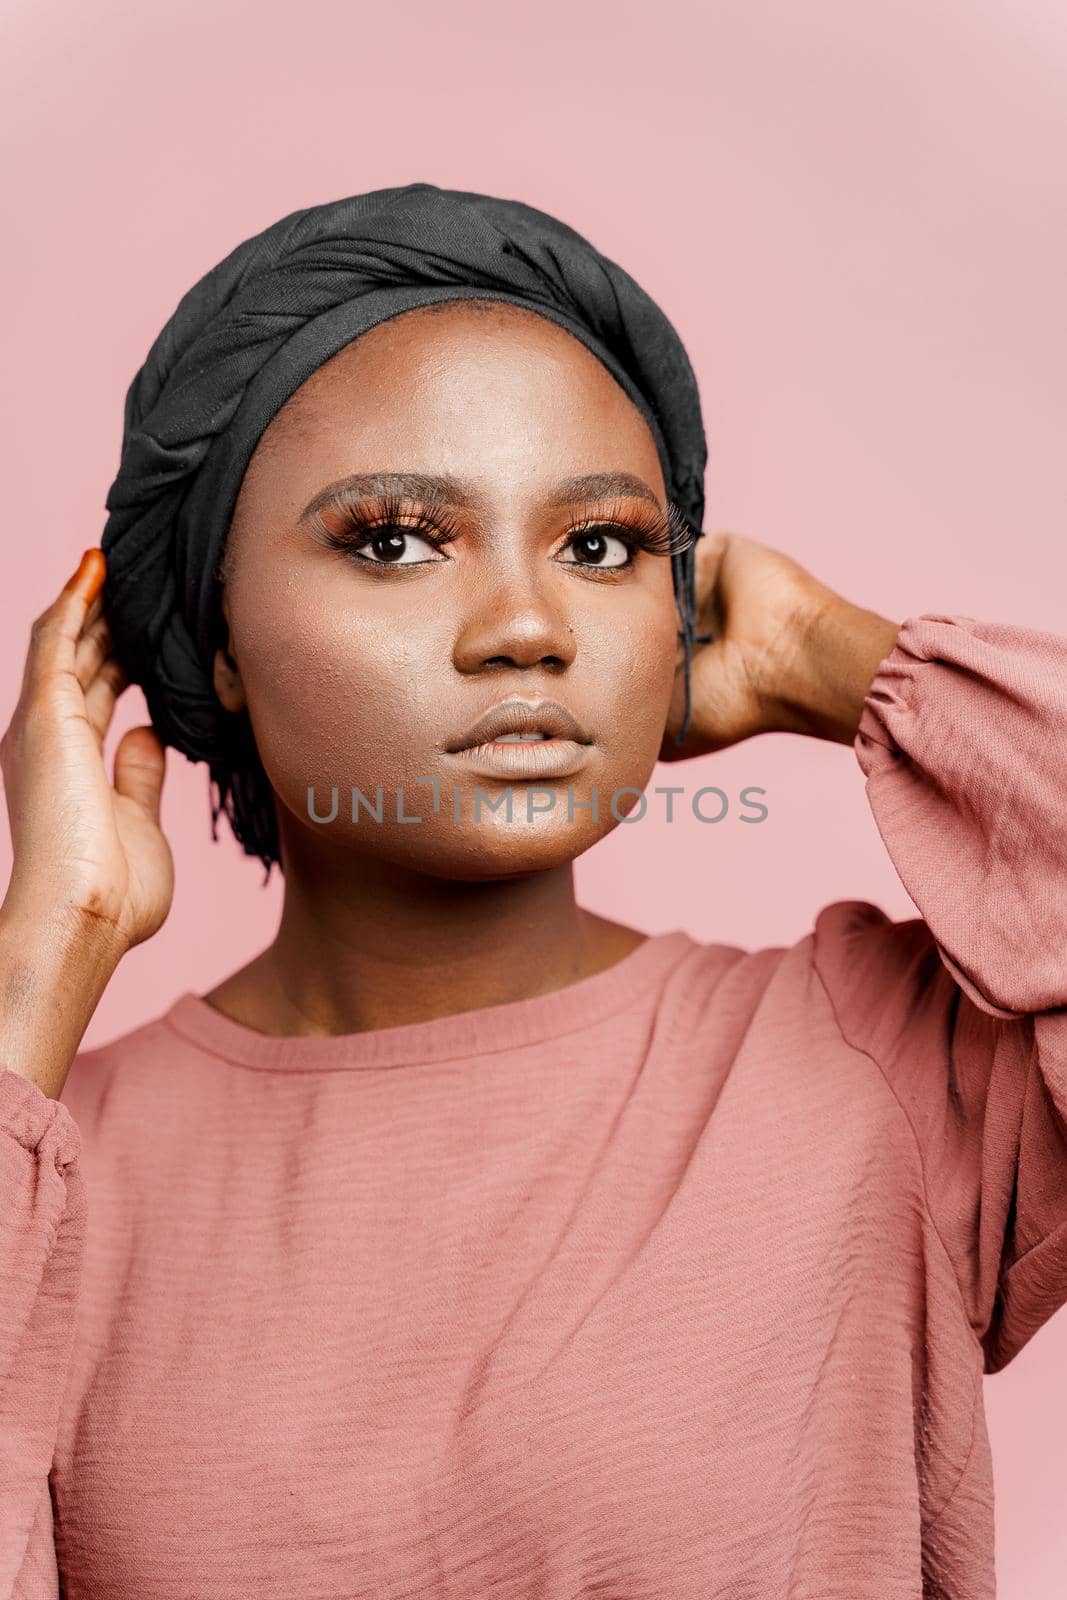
x,y
227,674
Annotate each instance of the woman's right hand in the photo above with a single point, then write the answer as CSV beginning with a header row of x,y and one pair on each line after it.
x,y
89,855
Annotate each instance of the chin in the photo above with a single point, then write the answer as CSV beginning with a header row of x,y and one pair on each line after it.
x,y
481,855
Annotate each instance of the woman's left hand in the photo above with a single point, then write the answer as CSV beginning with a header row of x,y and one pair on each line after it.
x,y
786,654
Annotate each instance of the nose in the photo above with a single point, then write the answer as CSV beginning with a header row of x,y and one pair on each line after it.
x,y
515,619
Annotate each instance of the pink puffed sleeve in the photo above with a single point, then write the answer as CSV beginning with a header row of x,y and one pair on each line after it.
x,y
963,741
42,1237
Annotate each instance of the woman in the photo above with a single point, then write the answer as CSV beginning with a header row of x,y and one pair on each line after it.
x,y
464,1242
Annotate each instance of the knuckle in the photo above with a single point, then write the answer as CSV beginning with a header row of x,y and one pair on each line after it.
x,y
42,627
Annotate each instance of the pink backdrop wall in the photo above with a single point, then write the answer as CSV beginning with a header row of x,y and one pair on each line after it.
x,y
856,216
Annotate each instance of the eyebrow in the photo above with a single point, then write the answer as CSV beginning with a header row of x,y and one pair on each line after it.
x,y
443,489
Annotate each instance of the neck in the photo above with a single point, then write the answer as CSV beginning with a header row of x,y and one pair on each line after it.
x,y
386,946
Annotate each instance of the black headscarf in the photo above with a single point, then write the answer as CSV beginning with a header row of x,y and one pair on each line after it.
x,y
255,327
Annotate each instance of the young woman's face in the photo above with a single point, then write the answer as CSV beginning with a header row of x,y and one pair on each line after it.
x,y
364,653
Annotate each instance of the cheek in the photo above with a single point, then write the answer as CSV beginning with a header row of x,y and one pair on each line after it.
x,y
637,675
340,698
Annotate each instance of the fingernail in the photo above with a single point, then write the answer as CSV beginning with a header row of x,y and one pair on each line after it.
x,y
89,575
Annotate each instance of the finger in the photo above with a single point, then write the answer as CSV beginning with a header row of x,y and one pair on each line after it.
x,y
54,634
103,693
92,650
95,610
711,553
140,767
87,579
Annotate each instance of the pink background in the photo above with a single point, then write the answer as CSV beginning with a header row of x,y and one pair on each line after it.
x,y
855,215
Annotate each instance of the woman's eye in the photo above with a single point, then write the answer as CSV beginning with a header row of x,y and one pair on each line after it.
x,y
392,547
598,548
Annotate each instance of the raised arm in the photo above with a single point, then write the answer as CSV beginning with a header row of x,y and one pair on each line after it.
x,y
91,876
961,729
963,740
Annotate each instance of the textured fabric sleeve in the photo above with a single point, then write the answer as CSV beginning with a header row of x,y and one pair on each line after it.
x,y
963,742
42,1234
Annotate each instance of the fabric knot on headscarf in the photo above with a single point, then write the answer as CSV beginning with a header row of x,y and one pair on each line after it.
x,y
274,310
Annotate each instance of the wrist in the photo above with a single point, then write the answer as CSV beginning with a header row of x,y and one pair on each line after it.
x,y
51,945
54,968
58,925
826,663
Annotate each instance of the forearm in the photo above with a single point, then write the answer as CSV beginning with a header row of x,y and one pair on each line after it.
x,y
52,976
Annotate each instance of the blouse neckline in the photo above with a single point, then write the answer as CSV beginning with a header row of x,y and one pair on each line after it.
x,y
483,1031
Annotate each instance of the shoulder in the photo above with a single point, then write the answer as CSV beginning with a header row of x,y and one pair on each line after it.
x,y
855,943
885,980
106,1082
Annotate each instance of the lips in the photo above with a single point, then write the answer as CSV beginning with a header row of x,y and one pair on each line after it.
x,y
545,717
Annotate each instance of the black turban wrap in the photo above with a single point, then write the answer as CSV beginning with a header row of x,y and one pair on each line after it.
x,y
258,324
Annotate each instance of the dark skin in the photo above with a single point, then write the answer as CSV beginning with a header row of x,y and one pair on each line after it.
x,y
354,675
397,922
389,924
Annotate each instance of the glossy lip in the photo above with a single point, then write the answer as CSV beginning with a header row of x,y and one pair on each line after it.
x,y
522,716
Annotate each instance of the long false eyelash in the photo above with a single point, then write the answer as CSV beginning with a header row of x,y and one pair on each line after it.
x,y
359,524
647,528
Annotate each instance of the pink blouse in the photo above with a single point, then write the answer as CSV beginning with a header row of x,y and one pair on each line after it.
x,y
678,1282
